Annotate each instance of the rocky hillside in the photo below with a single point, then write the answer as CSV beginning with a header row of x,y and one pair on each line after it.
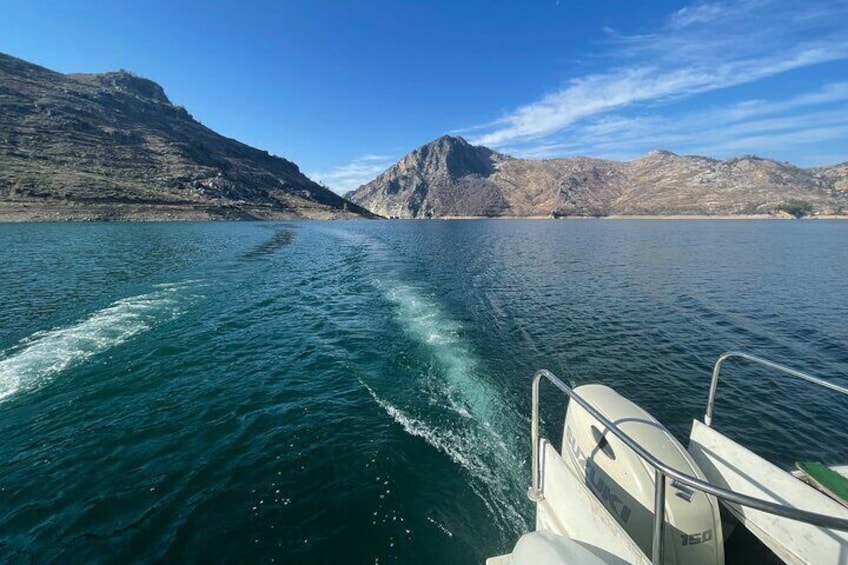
x,y
113,147
445,177
450,177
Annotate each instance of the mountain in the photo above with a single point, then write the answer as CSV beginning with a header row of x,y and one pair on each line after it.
x,y
445,177
113,147
450,177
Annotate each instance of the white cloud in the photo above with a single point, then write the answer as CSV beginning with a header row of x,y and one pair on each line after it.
x,y
756,126
702,48
771,142
351,176
598,94
696,14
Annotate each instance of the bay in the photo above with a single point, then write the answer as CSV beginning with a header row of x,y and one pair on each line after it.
x,y
358,392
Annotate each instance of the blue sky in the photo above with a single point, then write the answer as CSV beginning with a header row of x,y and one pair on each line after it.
x,y
346,88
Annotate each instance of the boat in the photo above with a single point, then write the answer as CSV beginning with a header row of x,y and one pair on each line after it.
x,y
623,489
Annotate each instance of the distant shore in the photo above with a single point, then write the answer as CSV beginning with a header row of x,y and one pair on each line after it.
x,y
654,217
28,211
728,217
58,211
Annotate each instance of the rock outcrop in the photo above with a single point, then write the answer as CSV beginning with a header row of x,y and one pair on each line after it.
x,y
113,147
449,177
445,177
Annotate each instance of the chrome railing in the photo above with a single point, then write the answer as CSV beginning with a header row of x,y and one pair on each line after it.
x,y
662,470
708,417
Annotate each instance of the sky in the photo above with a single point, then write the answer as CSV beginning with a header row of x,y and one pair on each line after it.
x,y
345,89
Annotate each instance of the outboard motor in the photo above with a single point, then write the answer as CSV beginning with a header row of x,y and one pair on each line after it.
x,y
624,483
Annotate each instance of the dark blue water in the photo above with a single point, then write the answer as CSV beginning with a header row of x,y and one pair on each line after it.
x,y
332,392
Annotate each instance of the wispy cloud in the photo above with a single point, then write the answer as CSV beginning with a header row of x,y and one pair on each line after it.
x,y
348,177
697,13
653,77
753,126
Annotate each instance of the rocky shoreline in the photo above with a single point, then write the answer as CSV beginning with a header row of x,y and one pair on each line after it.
x,y
778,216
61,211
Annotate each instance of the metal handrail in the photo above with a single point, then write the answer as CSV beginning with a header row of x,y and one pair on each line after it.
x,y
708,417
662,470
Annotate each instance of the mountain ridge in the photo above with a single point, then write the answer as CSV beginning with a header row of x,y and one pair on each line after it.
x,y
112,146
661,183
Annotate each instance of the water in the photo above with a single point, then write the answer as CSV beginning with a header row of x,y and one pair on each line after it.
x,y
358,392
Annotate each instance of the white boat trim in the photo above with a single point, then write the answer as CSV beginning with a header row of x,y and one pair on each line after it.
x,y
820,517
597,530
731,466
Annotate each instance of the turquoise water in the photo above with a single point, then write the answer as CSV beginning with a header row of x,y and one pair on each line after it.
x,y
358,392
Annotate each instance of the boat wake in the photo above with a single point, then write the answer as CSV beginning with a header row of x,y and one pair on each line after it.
x,y
455,410
37,359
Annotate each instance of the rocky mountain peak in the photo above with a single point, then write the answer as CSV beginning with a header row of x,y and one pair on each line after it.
x,y
450,156
450,177
112,146
452,140
659,156
445,176
125,81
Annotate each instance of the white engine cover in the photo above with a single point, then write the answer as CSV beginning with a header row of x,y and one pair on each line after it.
x,y
624,483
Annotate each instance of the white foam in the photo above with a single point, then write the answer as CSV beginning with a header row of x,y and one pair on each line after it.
x,y
456,374
36,360
483,439
441,526
466,448
462,414
443,440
